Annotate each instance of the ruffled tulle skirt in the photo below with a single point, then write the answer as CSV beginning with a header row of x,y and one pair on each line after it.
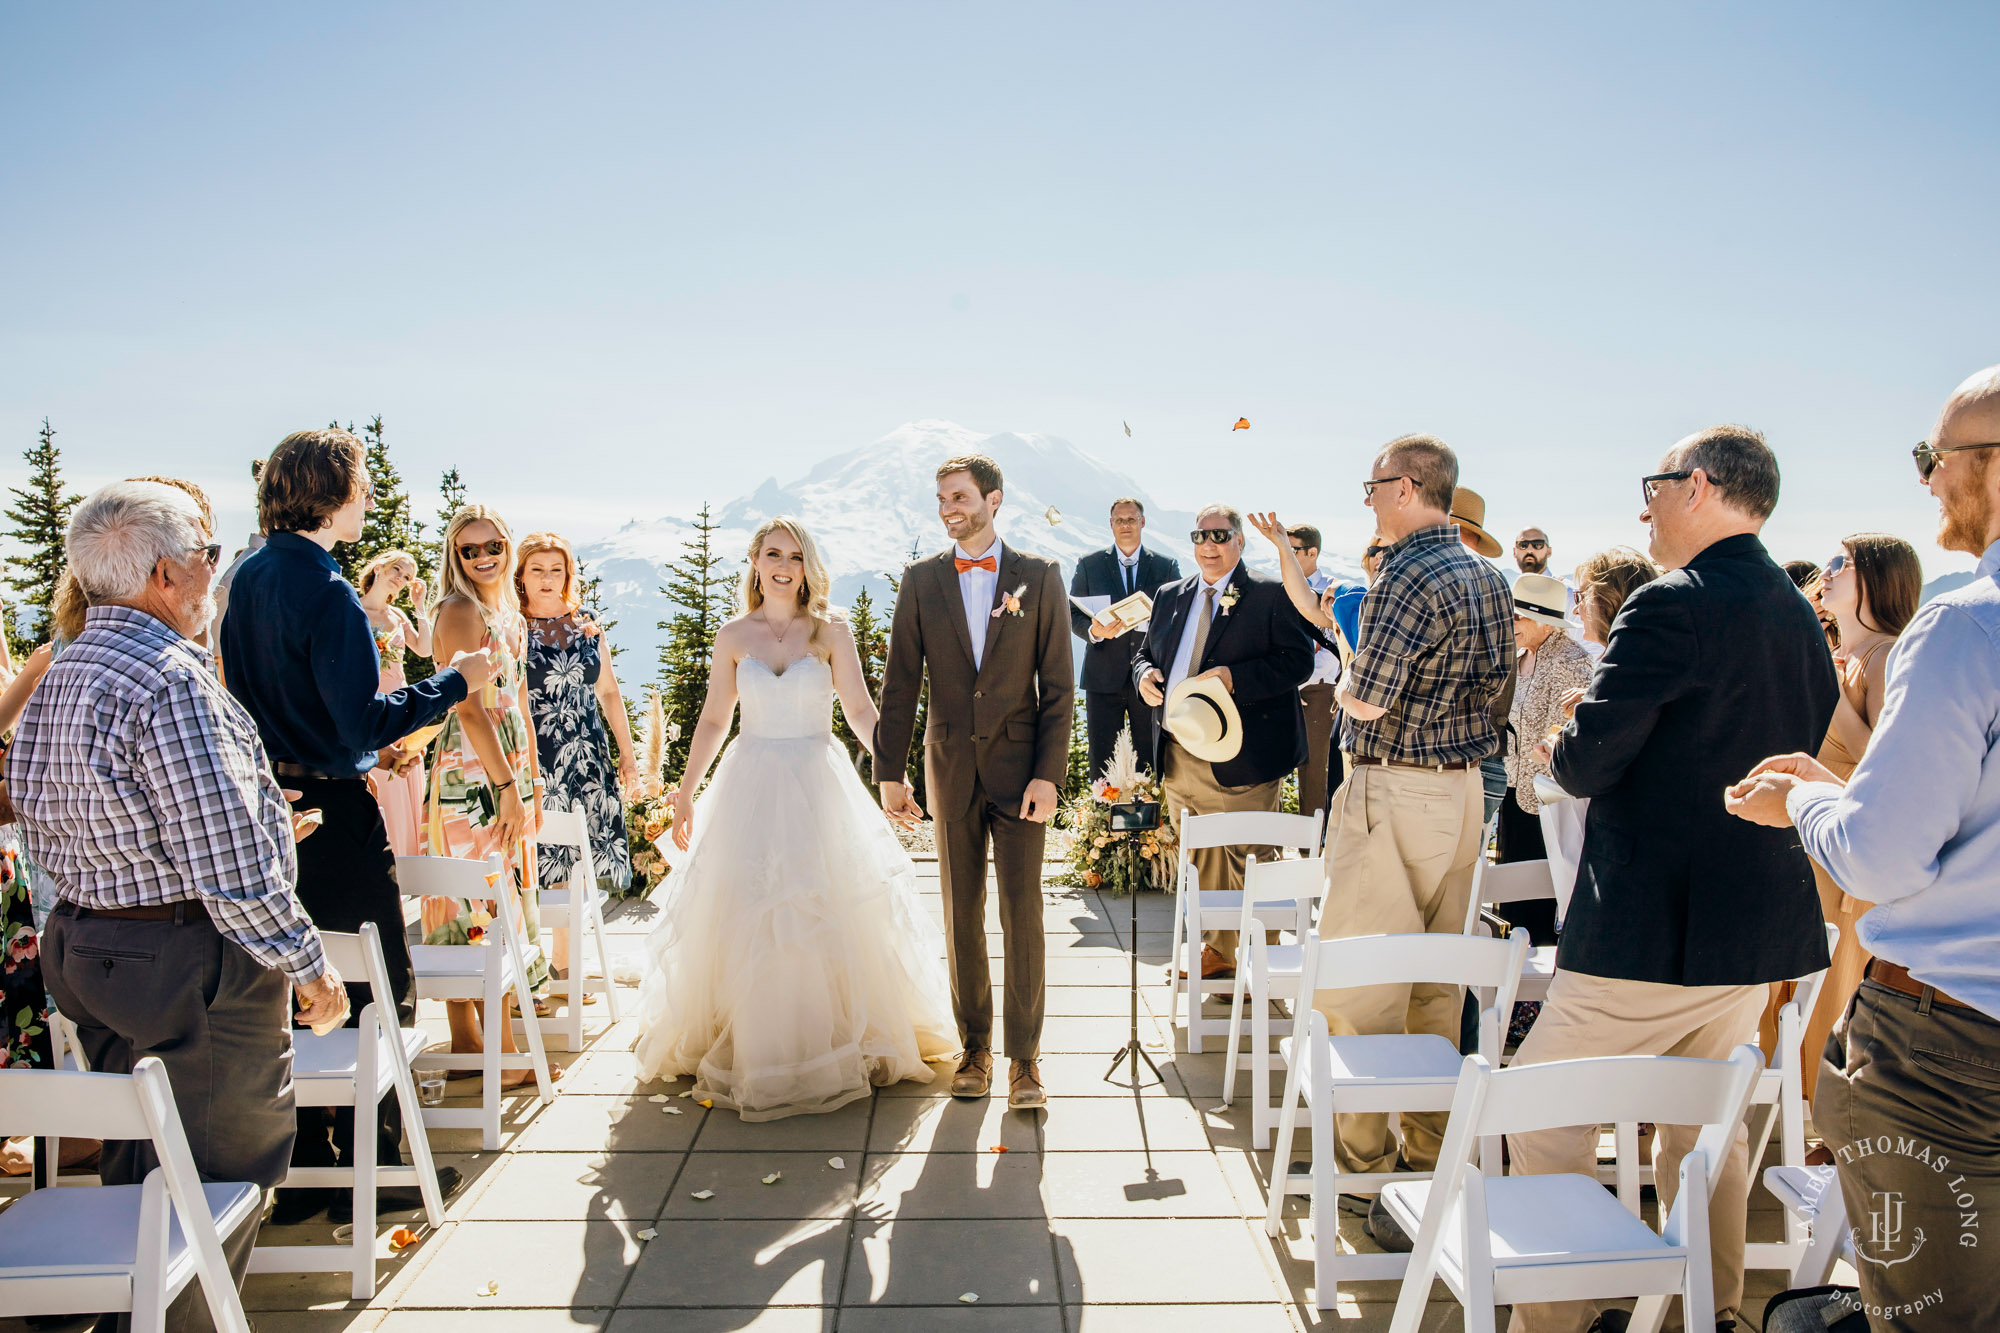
x,y
794,966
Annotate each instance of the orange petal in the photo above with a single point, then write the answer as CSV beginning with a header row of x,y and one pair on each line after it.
x,y
999,1147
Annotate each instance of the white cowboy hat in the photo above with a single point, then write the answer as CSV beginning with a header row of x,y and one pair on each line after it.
x,y
1542,599
1202,716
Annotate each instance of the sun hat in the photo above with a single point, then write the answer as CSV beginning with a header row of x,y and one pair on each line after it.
x,y
1542,599
1202,716
1468,511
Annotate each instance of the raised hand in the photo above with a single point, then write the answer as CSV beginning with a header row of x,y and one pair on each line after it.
x,y
1273,530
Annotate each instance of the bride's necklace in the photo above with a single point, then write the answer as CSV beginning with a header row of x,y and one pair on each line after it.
x,y
779,634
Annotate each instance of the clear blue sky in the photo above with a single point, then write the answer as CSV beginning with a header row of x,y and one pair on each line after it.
x,y
613,259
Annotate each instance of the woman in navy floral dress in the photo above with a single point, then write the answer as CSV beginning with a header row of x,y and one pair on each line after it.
x,y
569,679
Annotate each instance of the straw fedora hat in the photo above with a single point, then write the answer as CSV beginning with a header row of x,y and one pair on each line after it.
x,y
1202,716
1468,511
1542,599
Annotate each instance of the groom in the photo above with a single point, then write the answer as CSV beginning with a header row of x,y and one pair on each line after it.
x,y
991,627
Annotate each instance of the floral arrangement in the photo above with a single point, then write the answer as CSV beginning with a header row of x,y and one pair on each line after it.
x,y
1102,858
649,812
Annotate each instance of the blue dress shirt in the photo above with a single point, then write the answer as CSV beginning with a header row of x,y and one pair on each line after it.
x,y
1347,611
298,654
1916,830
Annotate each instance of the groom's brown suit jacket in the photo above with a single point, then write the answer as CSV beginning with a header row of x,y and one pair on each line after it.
x,y
995,729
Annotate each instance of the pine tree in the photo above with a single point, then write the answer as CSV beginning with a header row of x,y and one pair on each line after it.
x,y
913,768
698,585
451,490
391,525
41,524
871,645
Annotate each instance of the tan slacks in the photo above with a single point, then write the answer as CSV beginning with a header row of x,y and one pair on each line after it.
x,y
1190,785
1591,1016
1400,847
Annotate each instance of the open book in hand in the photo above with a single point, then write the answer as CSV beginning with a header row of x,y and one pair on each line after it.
x,y
1120,617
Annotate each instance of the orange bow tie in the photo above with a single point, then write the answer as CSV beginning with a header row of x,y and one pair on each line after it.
x,y
985,562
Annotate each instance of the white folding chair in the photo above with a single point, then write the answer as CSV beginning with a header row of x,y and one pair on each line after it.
x,y
1382,1072
1511,1239
1515,882
1811,1194
484,971
1197,908
575,908
1266,972
358,1067
117,1248
1779,1104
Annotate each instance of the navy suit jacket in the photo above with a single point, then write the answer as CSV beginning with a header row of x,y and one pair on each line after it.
x,y
1107,665
1263,642
1710,669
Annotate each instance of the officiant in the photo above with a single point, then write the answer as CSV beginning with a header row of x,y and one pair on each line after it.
x,y
1110,698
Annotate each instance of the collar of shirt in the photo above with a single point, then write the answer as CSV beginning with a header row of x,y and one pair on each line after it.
x,y
993,550
291,543
1223,582
1438,534
1129,560
143,625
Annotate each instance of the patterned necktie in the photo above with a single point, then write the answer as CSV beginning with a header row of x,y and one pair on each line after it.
x,y
1201,630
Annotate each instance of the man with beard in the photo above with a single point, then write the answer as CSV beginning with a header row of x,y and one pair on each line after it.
x,y
145,796
1916,831
1532,551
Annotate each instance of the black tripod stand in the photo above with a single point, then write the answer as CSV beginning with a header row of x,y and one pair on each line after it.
x,y
1136,817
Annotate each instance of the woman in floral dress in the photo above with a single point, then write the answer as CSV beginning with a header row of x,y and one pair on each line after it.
x,y
569,680
400,794
483,795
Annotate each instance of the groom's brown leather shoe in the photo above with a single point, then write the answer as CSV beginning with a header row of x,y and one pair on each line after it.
x,y
1024,1091
975,1073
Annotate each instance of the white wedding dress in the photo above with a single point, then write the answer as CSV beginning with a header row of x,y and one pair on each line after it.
x,y
794,966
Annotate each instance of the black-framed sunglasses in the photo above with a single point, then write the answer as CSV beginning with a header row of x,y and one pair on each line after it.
x,y
473,550
1375,552
212,552
1368,487
1531,544
1928,455
1220,536
1648,485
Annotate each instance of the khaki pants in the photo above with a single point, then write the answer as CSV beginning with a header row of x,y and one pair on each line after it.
x,y
1400,847
1588,1016
1190,785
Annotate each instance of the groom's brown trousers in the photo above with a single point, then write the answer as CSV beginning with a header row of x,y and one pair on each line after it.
x,y
1017,859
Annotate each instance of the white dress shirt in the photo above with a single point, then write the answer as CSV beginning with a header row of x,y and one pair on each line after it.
x,y
1326,667
1183,667
976,587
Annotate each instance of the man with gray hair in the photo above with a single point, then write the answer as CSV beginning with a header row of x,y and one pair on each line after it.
x,y
144,794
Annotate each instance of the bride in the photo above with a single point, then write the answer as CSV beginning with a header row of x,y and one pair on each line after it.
x,y
794,966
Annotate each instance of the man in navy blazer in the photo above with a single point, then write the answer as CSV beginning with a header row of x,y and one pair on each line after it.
x,y
1110,698
1682,913
1229,622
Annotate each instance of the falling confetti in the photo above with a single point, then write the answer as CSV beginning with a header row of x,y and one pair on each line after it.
x,y
1053,515
1242,423
490,1289
773,1178
1128,428
999,1147
837,1163
657,1097
402,1238
704,1194
705,1102
969,1298
648,1233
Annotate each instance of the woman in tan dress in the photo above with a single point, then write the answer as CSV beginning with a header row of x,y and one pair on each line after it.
x,y
1871,589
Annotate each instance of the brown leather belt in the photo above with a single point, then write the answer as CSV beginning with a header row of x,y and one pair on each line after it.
x,y
1898,979
1457,766
181,913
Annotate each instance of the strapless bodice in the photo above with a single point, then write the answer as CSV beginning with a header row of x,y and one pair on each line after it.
x,y
794,706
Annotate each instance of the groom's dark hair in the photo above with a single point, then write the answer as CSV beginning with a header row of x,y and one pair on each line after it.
x,y
985,472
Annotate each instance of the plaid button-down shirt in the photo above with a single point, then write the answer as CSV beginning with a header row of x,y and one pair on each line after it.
x,y
1437,642
139,781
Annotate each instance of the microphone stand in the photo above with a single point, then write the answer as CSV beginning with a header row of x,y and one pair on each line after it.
x,y
1132,1048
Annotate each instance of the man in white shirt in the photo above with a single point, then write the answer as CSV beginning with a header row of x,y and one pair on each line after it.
x,y
1316,695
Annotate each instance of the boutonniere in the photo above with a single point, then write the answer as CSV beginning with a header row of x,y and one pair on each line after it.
x,y
1228,598
1011,603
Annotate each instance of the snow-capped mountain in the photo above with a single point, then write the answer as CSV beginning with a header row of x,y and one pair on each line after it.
x,y
871,508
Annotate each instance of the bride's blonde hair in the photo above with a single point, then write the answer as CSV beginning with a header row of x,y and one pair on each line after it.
x,y
814,595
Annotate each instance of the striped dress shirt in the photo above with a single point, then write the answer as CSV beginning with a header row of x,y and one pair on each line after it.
x,y
139,781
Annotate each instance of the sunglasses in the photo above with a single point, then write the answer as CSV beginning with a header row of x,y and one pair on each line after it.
x,y
212,553
1649,485
1928,456
1835,565
1220,536
473,550
1531,544
1375,552
1368,487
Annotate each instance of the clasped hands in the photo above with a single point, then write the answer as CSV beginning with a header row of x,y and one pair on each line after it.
x,y
1761,796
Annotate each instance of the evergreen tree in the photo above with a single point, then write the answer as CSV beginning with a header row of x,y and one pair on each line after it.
x,y
913,768
40,520
451,490
698,586
391,525
871,644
